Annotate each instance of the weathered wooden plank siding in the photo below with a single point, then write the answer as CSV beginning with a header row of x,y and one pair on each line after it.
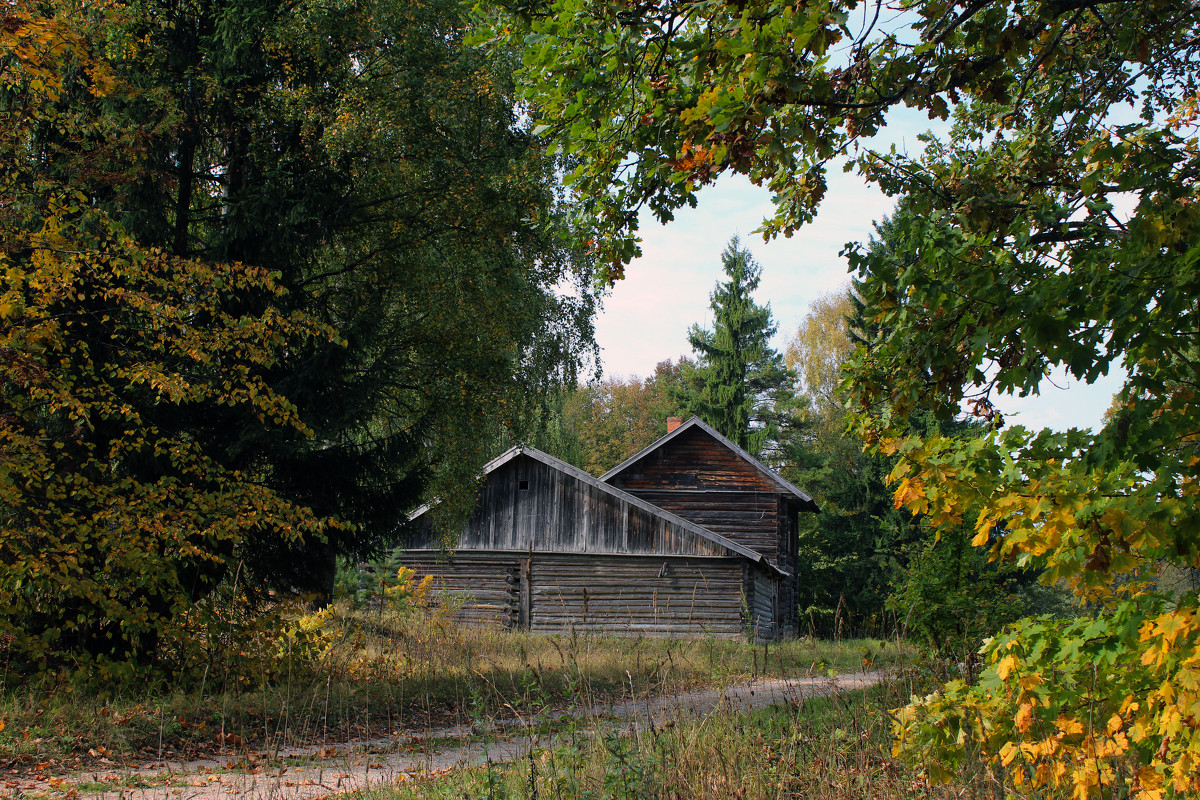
x,y
526,503
637,595
693,460
697,478
618,595
765,605
475,588
551,549
748,518
789,594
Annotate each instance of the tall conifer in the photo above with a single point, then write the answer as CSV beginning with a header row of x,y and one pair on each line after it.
x,y
739,384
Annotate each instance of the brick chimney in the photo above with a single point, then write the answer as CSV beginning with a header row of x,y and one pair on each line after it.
x,y
673,423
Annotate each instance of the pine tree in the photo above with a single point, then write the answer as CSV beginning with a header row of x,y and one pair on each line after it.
x,y
739,383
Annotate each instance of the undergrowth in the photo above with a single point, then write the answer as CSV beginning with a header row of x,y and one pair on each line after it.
x,y
827,747
346,674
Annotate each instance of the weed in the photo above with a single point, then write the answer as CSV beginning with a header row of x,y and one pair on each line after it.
x,y
349,674
829,748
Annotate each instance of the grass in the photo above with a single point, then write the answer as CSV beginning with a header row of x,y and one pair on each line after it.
x,y
348,675
834,747
354,675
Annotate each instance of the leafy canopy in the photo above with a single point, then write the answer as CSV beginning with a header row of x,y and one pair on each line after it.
x,y
272,273
1055,227
114,517
378,164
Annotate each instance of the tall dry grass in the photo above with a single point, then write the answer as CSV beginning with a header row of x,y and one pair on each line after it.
x,y
344,675
827,748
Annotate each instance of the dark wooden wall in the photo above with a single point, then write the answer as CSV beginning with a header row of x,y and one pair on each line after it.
x,y
749,518
651,596
558,512
788,560
619,595
701,480
474,588
765,603
693,460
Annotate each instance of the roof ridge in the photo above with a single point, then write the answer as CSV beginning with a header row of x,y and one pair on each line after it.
x,y
576,472
696,422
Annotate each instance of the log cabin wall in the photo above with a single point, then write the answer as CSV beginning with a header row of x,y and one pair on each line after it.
x,y
789,561
765,604
550,548
472,588
638,595
694,460
703,481
748,518
635,595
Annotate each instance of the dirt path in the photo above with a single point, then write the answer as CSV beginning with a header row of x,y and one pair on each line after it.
x,y
312,772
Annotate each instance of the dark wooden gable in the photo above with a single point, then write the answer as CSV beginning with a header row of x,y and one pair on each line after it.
x,y
696,473
530,500
695,457
692,460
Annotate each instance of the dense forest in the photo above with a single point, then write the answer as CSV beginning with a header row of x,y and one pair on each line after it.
x,y
270,272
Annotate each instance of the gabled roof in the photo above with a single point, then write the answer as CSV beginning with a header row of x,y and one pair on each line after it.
x,y
562,466
695,422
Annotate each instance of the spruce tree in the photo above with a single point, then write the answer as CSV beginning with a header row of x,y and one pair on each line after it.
x,y
739,383
374,161
297,264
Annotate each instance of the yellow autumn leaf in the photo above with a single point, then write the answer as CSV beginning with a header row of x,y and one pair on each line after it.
x,y
908,491
1171,626
1068,725
1045,748
1031,682
1024,718
1149,783
1007,665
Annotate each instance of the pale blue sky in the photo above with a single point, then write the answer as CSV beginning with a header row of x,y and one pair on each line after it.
x,y
646,318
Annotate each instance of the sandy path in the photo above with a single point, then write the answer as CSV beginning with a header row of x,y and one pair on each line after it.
x,y
317,771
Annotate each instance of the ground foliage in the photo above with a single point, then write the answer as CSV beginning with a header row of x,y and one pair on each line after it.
x,y
272,272
391,667
1055,226
831,748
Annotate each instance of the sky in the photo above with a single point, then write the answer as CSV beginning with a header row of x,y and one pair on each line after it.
x,y
646,317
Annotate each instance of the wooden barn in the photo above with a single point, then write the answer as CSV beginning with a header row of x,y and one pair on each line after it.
x,y
696,473
551,548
